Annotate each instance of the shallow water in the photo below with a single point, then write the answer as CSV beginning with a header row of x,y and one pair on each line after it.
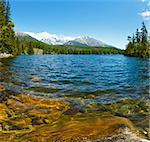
x,y
97,78
101,94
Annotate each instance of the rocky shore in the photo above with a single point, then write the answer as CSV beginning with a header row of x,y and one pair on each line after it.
x,y
5,55
26,118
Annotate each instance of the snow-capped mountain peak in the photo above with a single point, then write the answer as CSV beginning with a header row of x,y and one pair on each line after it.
x,y
50,38
42,35
54,39
90,41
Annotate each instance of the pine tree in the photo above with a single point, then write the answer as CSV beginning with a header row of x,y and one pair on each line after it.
x,y
129,39
133,39
7,35
2,24
137,37
2,14
139,45
144,34
7,13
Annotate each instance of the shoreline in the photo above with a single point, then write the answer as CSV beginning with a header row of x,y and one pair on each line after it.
x,y
5,55
23,116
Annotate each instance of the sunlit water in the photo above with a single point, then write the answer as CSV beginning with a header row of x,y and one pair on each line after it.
x,y
107,77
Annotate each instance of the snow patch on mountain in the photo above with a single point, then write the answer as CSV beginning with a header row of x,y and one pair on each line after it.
x,y
21,34
51,38
88,41
54,39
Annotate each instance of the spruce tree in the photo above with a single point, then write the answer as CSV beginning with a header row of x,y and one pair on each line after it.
x,y
137,37
144,34
2,13
7,35
2,24
8,14
139,45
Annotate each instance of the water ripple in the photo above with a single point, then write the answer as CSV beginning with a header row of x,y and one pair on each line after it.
x,y
125,76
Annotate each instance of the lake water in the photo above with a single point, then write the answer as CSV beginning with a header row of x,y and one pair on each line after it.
x,y
100,78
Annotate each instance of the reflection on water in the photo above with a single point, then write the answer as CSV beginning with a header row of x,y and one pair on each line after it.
x,y
106,77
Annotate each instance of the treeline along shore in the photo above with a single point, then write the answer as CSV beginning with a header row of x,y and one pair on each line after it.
x,y
29,118
139,43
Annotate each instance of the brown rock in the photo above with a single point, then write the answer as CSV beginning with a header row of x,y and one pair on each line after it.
x,y
2,88
49,122
76,129
3,113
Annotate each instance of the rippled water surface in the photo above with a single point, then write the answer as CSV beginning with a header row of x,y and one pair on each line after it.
x,y
103,78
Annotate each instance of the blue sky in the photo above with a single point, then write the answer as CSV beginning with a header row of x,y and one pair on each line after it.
x,y
110,21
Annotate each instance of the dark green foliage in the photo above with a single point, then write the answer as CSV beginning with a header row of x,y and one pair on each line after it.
x,y
27,46
139,45
81,50
7,35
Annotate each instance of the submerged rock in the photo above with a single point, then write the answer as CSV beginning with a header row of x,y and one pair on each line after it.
x,y
44,89
25,118
36,79
2,88
3,112
82,128
74,110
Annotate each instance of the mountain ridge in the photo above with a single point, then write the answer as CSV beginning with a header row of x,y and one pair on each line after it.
x,y
87,41
29,45
53,39
24,36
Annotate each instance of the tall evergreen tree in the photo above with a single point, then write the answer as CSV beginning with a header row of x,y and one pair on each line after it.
x,y
129,39
144,34
137,37
8,14
7,35
2,24
2,16
133,39
139,45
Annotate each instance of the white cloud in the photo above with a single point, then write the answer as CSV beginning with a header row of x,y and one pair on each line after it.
x,y
145,14
145,0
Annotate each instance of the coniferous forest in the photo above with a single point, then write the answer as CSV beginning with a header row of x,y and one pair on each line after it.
x,y
7,34
100,94
139,44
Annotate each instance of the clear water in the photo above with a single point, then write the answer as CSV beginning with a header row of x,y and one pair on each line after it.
x,y
107,77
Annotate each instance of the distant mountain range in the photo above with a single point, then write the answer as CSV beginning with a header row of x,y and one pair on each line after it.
x,y
86,41
53,39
